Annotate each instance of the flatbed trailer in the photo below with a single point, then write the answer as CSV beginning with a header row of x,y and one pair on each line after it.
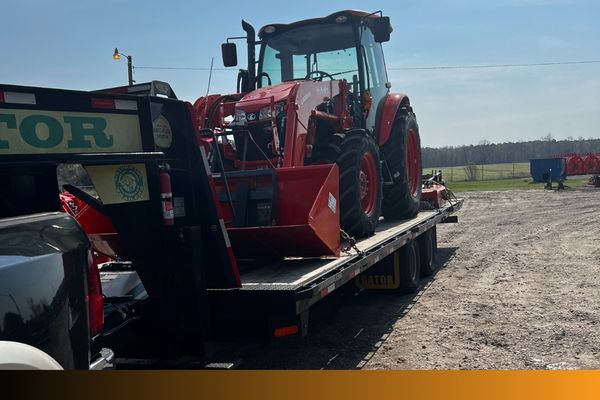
x,y
284,291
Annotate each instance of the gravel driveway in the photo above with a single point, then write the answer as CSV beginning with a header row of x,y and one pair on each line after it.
x,y
518,288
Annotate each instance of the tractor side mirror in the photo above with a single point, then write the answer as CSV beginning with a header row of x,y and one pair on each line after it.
x,y
382,29
229,53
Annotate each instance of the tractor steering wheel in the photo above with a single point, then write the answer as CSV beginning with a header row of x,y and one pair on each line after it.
x,y
322,74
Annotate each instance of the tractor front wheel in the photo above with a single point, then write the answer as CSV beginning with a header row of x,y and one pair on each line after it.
x,y
402,153
360,183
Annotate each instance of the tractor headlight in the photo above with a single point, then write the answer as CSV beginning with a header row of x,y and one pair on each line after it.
x,y
240,117
265,112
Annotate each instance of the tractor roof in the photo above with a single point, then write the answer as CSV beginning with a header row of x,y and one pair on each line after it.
x,y
351,15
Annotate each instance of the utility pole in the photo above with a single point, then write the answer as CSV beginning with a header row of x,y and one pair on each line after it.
x,y
117,56
130,70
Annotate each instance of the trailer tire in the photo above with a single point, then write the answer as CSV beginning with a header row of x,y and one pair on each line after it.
x,y
410,267
402,154
434,241
357,157
427,253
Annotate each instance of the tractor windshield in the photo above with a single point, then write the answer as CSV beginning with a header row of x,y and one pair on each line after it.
x,y
324,51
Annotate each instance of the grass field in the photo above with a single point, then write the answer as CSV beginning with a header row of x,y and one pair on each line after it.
x,y
485,172
506,184
493,177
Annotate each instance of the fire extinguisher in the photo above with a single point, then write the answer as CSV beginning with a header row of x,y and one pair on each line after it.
x,y
166,196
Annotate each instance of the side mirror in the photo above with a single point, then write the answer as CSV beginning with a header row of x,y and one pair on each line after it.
x,y
229,53
381,29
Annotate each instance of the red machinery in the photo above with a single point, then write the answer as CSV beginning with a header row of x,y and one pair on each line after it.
x,y
575,165
591,164
313,139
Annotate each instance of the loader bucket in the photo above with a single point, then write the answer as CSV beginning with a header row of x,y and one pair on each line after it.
x,y
305,206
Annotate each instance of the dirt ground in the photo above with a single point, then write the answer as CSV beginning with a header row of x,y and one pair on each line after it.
x,y
518,288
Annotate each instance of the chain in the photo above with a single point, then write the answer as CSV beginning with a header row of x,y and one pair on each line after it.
x,y
351,243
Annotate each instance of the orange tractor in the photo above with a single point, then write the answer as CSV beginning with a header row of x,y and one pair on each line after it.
x,y
313,140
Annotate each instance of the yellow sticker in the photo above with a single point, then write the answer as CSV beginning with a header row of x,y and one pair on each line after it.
x,y
387,278
124,183
55,132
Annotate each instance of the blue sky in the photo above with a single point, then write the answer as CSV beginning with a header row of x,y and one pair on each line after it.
x,y
68,44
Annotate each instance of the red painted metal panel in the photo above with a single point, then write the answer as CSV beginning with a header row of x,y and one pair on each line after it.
x,y
307,219
98,228
591,164
575,165
388,114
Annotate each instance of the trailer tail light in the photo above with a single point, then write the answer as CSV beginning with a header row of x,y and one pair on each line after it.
x,y
94,299
286,331
103,103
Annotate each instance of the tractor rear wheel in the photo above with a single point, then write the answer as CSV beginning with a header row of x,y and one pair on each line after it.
x,y
402,154
357,157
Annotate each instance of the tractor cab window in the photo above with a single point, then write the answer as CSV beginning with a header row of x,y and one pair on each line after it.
x,y
324,51
374,62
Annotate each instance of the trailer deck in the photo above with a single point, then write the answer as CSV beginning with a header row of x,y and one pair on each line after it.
x,y
294,285
291,274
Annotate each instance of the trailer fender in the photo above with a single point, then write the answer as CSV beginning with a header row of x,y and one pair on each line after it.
x,y
386,113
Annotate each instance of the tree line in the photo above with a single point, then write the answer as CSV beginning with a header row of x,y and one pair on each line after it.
x,y
510,152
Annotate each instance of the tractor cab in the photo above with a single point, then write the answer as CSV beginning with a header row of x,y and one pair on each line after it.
x,y
342,46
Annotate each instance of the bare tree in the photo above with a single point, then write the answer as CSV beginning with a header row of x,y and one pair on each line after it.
x,y
471,172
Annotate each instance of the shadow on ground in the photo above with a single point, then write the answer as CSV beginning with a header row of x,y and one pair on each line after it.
x,y
345,329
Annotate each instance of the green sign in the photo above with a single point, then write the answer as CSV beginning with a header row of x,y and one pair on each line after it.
x,y
53,132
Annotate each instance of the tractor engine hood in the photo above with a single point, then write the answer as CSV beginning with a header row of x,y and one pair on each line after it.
x,y
260,98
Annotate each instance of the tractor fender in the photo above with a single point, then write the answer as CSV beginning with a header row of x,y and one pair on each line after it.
x,y
386,114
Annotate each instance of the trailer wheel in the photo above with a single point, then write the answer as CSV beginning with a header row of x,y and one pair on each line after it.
x,y
402,154
357,157
410,267
427,253
434,242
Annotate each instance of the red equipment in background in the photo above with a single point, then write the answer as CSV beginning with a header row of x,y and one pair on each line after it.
x,y
592,164
575,165
434,190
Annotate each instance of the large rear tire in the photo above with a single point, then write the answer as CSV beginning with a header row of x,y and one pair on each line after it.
x,y
402,154
357,157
